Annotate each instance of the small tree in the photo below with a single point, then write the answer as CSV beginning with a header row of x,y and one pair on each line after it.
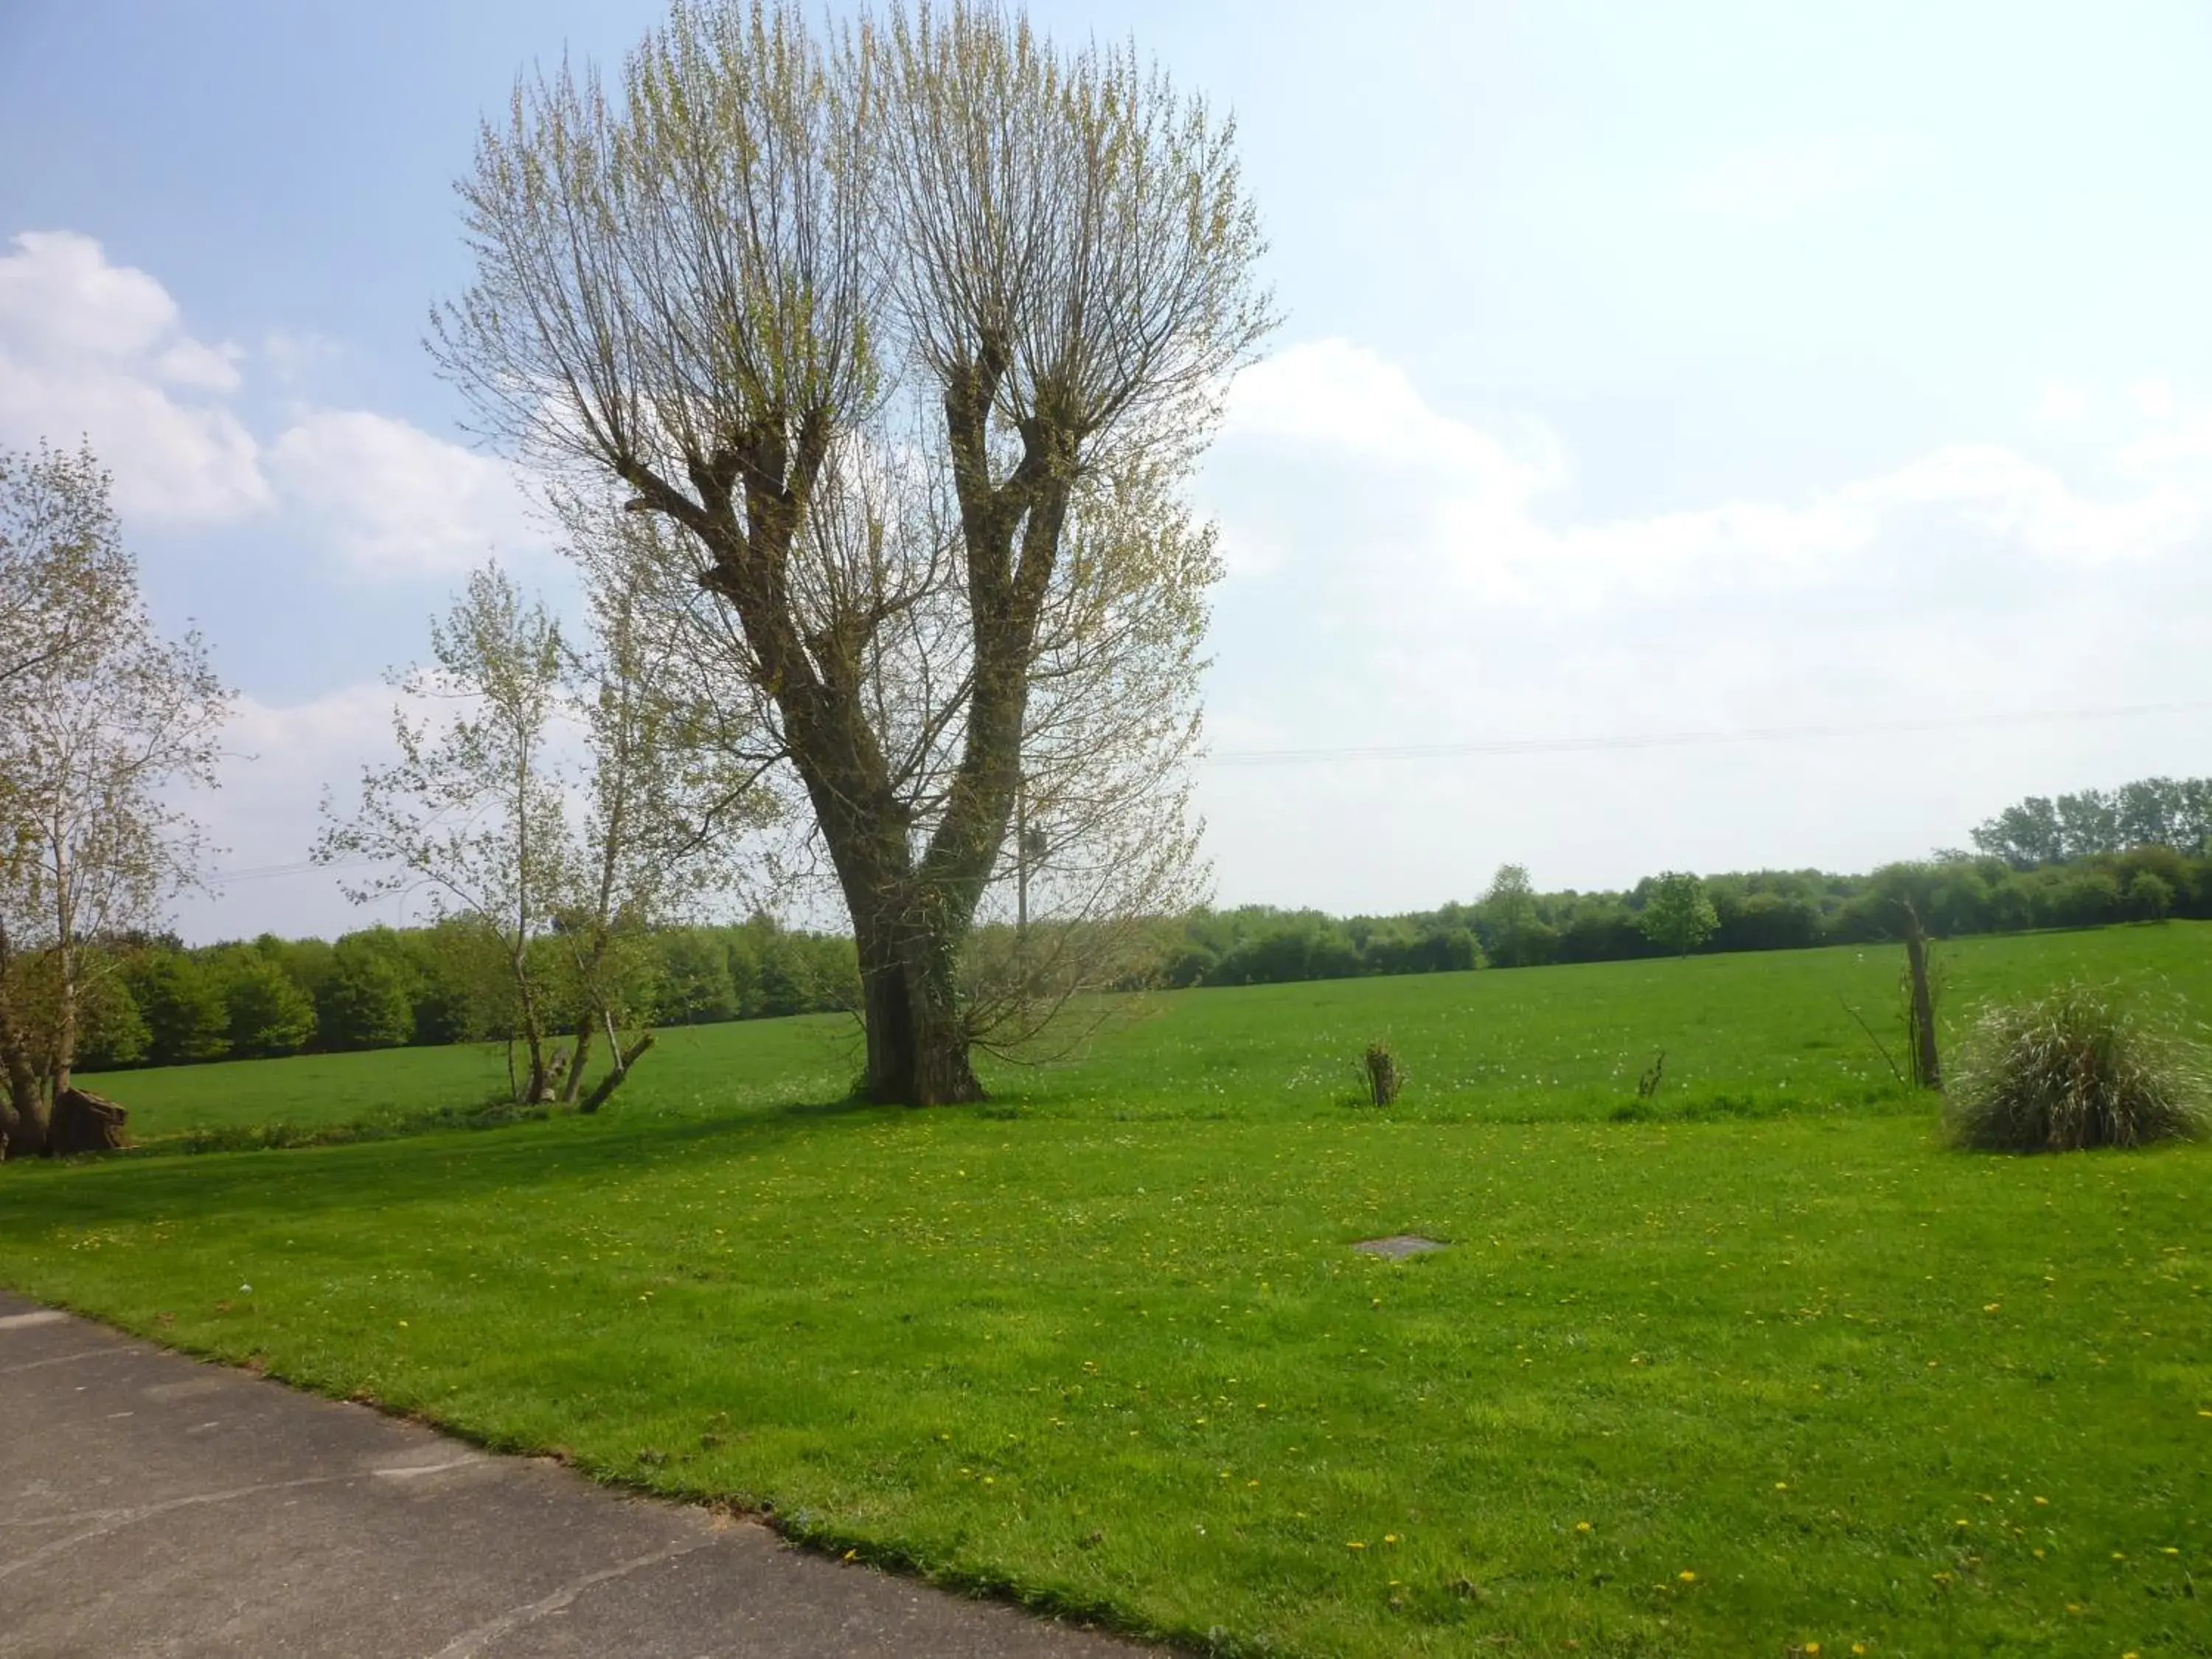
x,y
472,810
658,793
103,722
1677,915
1509,909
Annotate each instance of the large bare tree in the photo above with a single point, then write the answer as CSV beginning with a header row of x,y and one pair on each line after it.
x,y
911,331
102,721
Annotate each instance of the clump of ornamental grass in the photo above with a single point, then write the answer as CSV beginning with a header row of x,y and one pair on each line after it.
x,y
2074,1070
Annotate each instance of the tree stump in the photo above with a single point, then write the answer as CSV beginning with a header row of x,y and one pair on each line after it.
x,y
1382,1075
84,1123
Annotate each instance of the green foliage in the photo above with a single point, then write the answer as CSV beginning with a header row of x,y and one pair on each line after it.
x,y
182,1004
2165,812
461,988
265,1013
112,1032
367,998
1508,912
2148,896
1677,915
2070,1070
690,976
695,986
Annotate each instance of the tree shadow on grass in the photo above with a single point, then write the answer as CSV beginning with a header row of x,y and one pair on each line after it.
x,y
437,1167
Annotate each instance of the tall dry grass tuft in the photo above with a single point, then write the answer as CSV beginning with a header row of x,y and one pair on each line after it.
x,y
2074,1070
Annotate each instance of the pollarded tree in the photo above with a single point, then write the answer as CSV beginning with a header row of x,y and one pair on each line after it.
x,y
909,332
471,812
103,723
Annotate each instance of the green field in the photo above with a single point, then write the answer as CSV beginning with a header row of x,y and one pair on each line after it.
x,y
1760,1367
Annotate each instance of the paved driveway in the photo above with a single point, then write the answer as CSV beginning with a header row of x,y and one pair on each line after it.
x,y
150,1505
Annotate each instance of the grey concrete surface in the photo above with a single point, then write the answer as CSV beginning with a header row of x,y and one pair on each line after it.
x,y
153,1505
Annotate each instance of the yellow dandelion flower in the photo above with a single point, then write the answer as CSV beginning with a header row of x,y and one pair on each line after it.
x,y
1354,1544
1389,1537
1581,1526
1687,1578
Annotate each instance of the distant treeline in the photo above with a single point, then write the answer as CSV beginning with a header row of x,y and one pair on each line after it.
x,y
1763,910
2138,853
2175,813
152,1002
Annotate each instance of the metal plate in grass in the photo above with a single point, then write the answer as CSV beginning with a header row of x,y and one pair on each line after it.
x,y
1399,1244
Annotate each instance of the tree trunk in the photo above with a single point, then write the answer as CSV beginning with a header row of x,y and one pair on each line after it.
x,y
539,1090
23,1113
573,1084
917,1045
625,1059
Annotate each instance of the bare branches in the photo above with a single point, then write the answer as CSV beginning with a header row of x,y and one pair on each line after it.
x,y
907,335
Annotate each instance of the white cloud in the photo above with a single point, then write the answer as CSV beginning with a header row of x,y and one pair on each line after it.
x,y
1455,514
396,501
1428,582
94,349
1777,181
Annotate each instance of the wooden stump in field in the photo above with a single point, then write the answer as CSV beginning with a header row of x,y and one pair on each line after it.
x,y
84,1123
1382,1077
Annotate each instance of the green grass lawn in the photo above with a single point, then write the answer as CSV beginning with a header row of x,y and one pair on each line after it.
x,y
1769,1369
1743,1035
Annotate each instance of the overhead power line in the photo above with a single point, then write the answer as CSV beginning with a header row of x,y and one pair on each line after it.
x,y
271,871
1689,739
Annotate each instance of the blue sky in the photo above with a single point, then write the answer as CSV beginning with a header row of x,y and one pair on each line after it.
x,y
1646,370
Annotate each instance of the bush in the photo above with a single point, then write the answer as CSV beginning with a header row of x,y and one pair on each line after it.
x,y
2070,1071
2148,897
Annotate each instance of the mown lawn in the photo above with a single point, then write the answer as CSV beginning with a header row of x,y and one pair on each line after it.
x,y
1771,1371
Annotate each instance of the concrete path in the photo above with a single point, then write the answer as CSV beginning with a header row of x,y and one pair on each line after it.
x,y
150,1505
